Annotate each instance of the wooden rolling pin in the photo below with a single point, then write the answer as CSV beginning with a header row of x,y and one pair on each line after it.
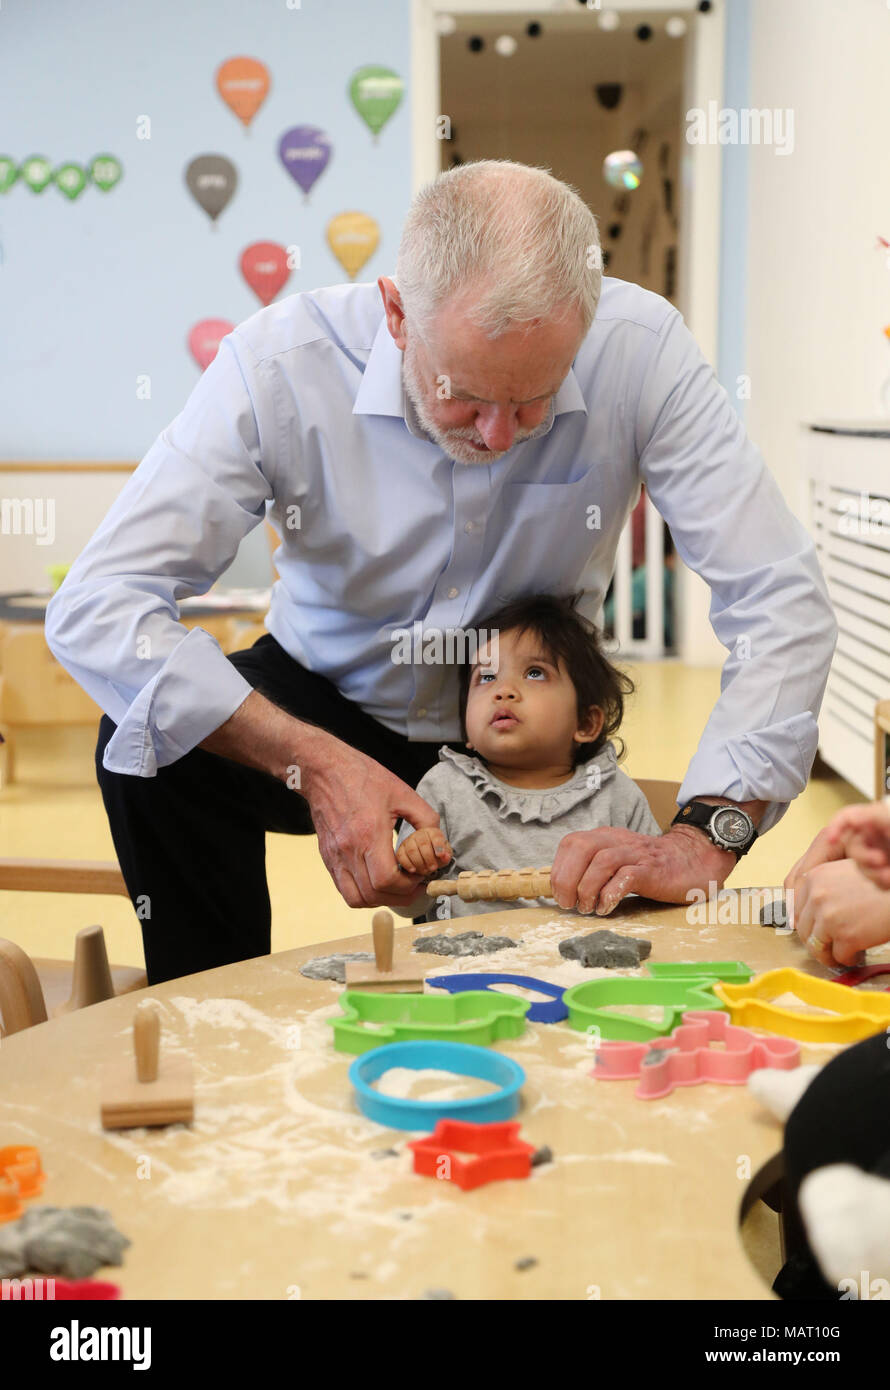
x,y
503,885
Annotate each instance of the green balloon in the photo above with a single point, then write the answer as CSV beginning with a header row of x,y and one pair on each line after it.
x,y
376,93
106,171
9,172
72,180
37,172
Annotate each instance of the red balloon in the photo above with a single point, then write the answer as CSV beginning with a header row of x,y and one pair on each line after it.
x,y
205,338
265,268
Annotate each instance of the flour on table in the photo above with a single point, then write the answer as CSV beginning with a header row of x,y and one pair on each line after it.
x,y
426,1083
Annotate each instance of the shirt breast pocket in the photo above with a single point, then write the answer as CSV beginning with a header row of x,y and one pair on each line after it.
x,y
548,533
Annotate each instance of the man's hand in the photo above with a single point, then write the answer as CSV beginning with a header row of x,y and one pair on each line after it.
x,y
594,869
355,803
424,852
838,913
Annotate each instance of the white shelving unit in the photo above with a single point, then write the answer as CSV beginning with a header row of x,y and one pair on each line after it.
x,y
847,502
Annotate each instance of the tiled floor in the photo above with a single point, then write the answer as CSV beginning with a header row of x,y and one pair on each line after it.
x,y
55,810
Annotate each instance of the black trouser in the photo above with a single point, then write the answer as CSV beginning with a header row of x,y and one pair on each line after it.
x,y
191,841
842,1117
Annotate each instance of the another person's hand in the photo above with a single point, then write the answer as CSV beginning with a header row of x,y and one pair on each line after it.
x,y
863,835
355,803
823,850
839,913
424,852
594,869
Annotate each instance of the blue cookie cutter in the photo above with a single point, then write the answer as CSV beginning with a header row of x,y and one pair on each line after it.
x,y
539,1011
465,1059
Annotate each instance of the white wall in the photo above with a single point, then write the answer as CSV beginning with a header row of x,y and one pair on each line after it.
x,y
819,293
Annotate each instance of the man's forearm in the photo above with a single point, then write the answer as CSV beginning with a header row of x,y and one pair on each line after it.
x,y
262,735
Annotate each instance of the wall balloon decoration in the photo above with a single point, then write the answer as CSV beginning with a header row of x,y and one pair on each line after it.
x,y
243,84
37,172
376,94
212,180
106,171
71,179
353,237
205,338
305,152
265,268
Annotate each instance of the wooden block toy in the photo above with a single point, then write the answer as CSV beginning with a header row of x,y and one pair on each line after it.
x,y
502,885
149,1092
399,974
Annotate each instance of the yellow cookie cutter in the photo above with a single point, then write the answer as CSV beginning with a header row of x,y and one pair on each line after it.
x,y
860,1013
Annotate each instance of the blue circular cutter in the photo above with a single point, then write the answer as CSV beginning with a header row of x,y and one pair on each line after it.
x,y
540,1012
465,1059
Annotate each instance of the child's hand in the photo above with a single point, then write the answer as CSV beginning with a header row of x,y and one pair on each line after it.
x,y
863,834
424,852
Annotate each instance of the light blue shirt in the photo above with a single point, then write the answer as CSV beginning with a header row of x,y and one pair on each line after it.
x,y
302,418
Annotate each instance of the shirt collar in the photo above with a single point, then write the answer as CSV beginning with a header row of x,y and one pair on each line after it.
x,y
381,391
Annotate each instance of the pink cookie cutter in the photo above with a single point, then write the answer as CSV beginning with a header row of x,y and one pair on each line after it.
x,y
686,1058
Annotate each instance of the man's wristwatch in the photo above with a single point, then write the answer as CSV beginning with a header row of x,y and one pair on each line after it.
x,y
728,827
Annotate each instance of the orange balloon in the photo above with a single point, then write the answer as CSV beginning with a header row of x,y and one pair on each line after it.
x,y
243,84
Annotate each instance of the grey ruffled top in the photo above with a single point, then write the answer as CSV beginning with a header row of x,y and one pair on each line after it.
x,y
492,825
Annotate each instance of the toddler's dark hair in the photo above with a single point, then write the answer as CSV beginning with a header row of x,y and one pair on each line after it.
x,y
573,642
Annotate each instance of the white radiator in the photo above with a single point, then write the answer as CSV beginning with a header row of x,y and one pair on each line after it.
x,y
847,482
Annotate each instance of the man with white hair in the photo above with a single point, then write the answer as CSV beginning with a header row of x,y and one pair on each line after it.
x,y
480,434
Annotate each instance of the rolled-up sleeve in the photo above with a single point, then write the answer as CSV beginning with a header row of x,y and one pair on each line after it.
x,y
175,527
769,604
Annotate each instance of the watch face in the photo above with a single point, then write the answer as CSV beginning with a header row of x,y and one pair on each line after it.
x,y
731,825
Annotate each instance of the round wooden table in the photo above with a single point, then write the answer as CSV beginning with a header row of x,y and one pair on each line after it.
x,y
282,1189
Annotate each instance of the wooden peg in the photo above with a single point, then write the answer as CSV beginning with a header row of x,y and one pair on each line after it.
x,y
153,1092
489,885
91,979
396,974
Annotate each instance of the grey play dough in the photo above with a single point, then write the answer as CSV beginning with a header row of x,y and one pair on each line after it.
x,y
464,943
72,1241
774,914
331,967
606,948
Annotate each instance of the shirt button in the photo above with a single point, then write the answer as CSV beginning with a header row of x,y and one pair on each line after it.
x,y
453,593
469,527
421,712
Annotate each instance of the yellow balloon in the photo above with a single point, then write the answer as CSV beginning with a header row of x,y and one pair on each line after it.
x,y
353,237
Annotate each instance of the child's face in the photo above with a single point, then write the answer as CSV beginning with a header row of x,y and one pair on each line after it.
x,y
524,712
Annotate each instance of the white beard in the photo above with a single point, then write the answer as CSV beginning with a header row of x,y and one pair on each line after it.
x,y
456,443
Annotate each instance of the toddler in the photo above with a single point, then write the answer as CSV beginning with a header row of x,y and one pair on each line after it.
x,y
538,708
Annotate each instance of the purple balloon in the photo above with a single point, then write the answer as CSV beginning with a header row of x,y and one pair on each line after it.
x,y
304,151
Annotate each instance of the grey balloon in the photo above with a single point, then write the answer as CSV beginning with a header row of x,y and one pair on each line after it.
x,y
212,180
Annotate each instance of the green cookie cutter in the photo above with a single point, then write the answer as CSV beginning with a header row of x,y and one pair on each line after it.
x,y
588,1004
732,971
477,1016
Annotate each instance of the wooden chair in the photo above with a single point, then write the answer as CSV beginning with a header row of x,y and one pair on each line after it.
x,y
61,987
662,798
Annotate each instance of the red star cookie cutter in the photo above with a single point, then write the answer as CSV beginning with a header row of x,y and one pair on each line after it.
x,y
471,1155
685,1057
